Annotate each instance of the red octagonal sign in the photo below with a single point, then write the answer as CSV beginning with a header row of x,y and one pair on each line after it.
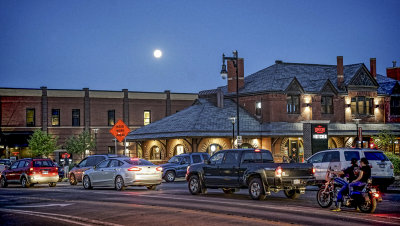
x,y
120,130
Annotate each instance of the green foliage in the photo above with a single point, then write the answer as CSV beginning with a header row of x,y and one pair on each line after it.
x,y
79,144
384,140
42,144
395,159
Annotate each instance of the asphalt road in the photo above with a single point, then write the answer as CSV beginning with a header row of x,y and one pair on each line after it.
x,y
172,204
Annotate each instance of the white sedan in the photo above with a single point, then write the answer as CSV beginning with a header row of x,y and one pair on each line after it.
x,y
122,172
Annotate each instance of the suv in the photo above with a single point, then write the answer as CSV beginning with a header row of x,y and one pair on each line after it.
x,y
30,171
4,164
338,159
177,165
75,174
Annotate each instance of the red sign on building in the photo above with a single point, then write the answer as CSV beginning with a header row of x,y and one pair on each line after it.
x,y
319,129
120,130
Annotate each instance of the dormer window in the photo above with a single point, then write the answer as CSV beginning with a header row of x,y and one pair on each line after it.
x,y
258,108
293,104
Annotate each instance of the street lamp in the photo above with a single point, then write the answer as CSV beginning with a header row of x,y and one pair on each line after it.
x,y
357,120
233,120
95,138
224,74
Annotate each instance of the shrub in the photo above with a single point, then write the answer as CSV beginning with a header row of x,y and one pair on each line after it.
x,y
395,159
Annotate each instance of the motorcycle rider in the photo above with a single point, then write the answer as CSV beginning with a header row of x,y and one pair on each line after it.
x,y
364,175
350,173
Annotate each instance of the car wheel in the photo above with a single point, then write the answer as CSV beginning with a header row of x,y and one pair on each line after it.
x,y
72,179
292,194
152,187
194,185
3,182
170,176
86,183
119,183
52,184
256,189
25,183
228,190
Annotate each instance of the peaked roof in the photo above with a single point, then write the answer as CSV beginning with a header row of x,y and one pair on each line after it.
x,y
201,119
386,84
312,77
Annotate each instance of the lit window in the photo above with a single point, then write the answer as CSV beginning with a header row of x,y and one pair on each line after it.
x,y
55,117
30,117
293,104
147,117
111,117
362,105
258,108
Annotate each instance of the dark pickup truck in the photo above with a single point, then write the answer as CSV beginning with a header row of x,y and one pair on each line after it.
x,y
249,168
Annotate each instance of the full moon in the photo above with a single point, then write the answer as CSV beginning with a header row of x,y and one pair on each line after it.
x,y
157,53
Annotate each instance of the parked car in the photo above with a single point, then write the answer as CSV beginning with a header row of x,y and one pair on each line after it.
x,y
122,172
75,175
177,165
4,164
30,171
381,167
254,169
61,172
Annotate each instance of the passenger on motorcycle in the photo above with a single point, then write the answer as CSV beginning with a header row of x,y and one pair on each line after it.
x,y
364,175
349,172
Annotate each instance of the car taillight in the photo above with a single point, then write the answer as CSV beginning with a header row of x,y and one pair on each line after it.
x,y
391,166
159,168
313,170
56,168
278,171
134,168
31,169
134,159
257,150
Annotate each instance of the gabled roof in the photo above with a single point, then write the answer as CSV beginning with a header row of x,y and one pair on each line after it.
x,y
202,119
386,84
312,77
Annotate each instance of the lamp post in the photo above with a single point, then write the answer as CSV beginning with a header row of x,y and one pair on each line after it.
x,y
357,120
233,120
224,74
95,138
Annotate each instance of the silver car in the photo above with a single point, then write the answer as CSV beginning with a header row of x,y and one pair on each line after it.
x,y
122,172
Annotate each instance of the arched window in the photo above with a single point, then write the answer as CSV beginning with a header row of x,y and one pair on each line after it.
x,y
213,148
246,145
179,149
155,153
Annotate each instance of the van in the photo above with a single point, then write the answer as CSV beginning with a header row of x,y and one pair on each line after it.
x,y
339,159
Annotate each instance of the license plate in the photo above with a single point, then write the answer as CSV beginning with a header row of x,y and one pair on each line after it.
x,y
382,166
45,172
297,181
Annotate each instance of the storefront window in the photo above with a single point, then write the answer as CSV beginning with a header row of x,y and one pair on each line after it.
x,y
155,153
179,149
293,150
213,148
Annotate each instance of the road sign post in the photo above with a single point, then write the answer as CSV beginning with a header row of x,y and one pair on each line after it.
x,y
120,130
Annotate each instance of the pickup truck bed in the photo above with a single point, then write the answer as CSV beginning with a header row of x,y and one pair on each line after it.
x,y
249,168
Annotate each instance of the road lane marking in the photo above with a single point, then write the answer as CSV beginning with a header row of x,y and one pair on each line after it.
x,y
41,205
61,217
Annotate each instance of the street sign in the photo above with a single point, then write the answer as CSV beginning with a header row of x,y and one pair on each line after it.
x,y
65,155
120,130
239,140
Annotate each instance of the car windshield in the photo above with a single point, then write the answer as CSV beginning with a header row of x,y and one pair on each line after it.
x,y
175,159
375,156
140,162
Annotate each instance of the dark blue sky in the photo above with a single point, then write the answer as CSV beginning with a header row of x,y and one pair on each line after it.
x,y
109,45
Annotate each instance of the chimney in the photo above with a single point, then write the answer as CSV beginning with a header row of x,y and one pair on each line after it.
x,y
232,75
372,64
393,72
220,98
340,75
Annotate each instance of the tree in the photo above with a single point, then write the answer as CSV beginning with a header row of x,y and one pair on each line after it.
x,y
79,144
385,140
42,144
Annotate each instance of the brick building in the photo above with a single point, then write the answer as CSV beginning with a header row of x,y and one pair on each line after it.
x,y
283,108
68,112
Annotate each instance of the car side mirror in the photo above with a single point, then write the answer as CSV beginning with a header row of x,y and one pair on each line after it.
x,y
94,167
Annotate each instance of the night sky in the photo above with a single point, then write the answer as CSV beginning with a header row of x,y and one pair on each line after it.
x,y
108,45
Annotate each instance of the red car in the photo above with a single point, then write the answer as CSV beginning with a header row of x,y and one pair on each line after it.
x,y
30,171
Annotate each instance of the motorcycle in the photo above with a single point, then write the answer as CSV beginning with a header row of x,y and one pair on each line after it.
x,y
364,197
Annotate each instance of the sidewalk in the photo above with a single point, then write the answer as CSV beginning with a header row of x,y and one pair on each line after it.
x,y
395,187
